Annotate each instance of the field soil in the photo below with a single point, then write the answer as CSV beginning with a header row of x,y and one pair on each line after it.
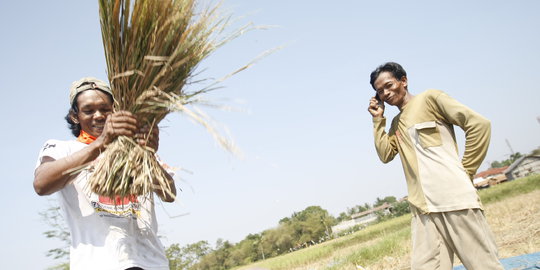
x,y
513,221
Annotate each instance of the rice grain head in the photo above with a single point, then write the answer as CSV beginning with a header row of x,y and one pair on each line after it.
x,y
152,49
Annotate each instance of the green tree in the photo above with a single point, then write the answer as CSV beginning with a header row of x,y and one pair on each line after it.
x,y
246,251
387,199
396,208
506,162
308,226
278,240
183,258
284,240
59,230
342,216
400,208
218,259
351,211
311,224
174,254
496,164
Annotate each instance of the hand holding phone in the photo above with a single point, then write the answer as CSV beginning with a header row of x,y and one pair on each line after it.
x,y
376,106
380,102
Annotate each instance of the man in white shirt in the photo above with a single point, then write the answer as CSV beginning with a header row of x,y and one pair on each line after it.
x,y
106,233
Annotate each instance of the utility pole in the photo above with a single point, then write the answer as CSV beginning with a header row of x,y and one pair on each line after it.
x,y
261,247
509,146
262,251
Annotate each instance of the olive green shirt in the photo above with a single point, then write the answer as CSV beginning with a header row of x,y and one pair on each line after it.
x,y
423,135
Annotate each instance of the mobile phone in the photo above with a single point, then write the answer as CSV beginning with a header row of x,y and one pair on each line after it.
x,y
379,100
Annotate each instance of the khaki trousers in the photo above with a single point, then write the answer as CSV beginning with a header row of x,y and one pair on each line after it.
x,y
436,237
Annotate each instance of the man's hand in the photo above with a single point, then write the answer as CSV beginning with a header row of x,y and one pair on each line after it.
x,y
148,136
376,108
121,123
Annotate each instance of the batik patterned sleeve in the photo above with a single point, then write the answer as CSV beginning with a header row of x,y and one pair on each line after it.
x,y
384,143
477,130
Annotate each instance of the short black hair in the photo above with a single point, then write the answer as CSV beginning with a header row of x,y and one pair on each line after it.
x,y
396,69
76,127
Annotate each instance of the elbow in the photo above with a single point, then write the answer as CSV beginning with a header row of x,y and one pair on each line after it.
x,y
386,153
40,189
43,186
482,123
485,130
385,158
486,124
385,161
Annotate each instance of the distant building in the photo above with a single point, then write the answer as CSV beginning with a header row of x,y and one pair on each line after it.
x,y
362,218
490,177
524,166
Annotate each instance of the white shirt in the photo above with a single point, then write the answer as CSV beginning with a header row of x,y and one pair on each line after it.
x,y
105,235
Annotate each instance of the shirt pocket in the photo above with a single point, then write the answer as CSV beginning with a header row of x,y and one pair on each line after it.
x,y
428,134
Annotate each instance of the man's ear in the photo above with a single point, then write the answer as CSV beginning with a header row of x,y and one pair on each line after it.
x,y
73,117
404,82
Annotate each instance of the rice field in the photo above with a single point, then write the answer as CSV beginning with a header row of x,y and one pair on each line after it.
x,y
512,210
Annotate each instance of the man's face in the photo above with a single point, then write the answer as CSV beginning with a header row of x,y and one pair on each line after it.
x,y
94,107
390,89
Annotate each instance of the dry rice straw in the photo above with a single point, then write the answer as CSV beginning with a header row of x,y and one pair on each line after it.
x,y
152,48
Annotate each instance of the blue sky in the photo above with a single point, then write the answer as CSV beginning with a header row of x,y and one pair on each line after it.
x,y
304,128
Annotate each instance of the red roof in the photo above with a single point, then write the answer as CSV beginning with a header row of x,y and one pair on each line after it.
x,y
490,172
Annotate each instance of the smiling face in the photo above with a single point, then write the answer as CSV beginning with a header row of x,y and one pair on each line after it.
x,y
93,108
391,90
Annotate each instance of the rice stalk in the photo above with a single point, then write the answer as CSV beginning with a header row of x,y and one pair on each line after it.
x,y
152,49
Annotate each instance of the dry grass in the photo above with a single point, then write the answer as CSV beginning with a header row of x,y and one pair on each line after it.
x,y
152,49
515,224
513,220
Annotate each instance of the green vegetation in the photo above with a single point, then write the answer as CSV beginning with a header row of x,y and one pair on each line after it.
x,y
382,239
271,248
186,257
301,229
394,228
295,233
59,231
389,244
372,232
506,162
510,189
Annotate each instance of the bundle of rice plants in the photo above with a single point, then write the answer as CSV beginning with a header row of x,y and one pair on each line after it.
x,y
152,48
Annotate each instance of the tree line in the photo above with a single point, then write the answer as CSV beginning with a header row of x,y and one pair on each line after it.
x,y
302,229
307,227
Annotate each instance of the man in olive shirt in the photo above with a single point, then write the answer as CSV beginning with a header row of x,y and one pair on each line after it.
x,y
447,213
